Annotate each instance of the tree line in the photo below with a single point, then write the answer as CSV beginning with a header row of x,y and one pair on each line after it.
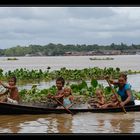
x,y
60,49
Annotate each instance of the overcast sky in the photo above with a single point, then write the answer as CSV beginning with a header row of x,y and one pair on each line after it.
x,y
69,25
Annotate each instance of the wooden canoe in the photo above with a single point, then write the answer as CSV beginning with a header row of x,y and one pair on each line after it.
x,y
6,108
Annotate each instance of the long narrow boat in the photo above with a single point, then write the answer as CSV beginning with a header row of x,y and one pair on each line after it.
x,y
6,108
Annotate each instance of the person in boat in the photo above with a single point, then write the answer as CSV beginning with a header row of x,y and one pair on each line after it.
x,y
67,98
12,94
99,101
113,102
124,90
60,82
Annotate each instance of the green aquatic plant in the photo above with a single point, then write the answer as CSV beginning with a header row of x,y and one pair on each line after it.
x,y
68,74
94,83
80,89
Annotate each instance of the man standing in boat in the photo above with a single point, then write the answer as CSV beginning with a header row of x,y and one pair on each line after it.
x,y
11,92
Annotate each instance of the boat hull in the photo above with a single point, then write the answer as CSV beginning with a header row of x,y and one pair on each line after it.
x,y
6,108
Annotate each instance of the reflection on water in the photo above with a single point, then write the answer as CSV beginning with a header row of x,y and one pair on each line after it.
x,y
53,123
122,126
65,123
106,123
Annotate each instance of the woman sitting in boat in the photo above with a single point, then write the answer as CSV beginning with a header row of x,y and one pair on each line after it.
x,y
124,90
100,100
113,103
67,98
11,92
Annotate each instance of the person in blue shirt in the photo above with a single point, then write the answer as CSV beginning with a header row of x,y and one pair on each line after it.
x,y
68,97
124,90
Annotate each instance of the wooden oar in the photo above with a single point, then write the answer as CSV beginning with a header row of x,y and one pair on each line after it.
x,y
114,93
63,106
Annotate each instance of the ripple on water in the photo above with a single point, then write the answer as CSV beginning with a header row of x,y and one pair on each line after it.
x,y
66,123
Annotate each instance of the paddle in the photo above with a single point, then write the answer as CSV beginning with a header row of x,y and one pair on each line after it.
x,y
107,79
63,106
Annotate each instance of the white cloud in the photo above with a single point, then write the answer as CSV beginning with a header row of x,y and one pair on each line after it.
x,y
68,25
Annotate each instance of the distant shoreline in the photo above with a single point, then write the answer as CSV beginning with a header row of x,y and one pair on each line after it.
x,y
52,49
69,55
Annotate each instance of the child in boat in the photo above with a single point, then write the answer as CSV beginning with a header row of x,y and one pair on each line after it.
x,y
124,90
11,92
60,82
68,98
113,103
100,100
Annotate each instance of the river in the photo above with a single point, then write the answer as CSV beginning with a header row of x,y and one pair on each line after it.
x,y
80,122
124,62
66,123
